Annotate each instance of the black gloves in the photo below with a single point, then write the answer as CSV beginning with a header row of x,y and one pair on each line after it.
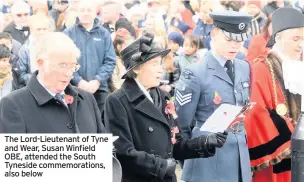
x,y
171,165
216,140
203,146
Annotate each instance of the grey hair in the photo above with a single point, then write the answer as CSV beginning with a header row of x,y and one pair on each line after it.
x,y
53,42
131,74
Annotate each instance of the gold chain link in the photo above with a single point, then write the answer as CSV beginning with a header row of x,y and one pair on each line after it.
x,y
275,88
273,83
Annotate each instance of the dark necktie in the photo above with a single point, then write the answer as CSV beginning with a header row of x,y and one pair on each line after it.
x,y
59,97
229,71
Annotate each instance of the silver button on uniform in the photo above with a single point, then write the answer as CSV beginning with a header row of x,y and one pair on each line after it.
x,y
70,125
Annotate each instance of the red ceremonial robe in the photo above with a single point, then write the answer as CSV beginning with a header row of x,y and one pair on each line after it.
x,y
268,140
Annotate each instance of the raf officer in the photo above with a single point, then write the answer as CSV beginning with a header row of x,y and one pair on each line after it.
x,y
219,78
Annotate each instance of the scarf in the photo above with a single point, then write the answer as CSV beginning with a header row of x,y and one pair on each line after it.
x,y
293,101
5,74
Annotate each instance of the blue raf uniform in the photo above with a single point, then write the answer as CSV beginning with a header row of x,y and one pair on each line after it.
x,y
195,94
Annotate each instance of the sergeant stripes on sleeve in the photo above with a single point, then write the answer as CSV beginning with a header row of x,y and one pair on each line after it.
x,y
183,99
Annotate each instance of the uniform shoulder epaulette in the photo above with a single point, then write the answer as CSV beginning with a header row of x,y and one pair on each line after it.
x,y
187,73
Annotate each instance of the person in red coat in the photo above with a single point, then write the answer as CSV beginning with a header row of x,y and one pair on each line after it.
x,y
257,47
270,124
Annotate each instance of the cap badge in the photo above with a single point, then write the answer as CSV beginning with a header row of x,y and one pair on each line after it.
x,y
241,26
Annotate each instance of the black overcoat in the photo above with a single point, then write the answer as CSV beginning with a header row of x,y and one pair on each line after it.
x,y
33,110
144,133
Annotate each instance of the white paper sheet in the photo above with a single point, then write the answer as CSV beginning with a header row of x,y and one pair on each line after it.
x,y
222,117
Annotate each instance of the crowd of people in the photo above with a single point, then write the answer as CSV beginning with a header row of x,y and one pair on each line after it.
x,y
152,72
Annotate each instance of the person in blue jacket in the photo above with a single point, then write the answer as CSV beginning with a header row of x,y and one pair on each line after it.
x,y
98,58
205,23
299,4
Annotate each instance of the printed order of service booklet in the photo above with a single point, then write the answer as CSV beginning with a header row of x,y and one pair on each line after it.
x,y
227,117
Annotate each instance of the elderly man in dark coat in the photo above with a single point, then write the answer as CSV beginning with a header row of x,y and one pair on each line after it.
x,y
144,118
49,104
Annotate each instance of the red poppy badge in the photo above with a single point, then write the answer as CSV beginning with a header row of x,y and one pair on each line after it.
x,y
174,131
68,99
217,98
170,108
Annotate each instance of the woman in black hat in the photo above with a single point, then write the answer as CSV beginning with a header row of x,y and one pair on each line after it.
x,y
144,118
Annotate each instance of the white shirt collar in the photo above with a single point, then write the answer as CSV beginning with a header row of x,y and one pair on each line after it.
x,y
142,88
222,61
18,27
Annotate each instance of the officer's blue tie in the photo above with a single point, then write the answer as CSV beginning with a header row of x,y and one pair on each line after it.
x,y
229,71
59,97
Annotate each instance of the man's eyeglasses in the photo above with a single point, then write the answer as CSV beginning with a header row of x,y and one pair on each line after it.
x,y
24,14
64,67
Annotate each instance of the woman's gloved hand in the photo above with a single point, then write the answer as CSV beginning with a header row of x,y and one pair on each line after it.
x,y
171,165
216,140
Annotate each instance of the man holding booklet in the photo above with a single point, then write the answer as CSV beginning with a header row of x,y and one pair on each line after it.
x,y
219,78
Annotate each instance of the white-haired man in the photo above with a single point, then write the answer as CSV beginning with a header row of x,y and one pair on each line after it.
x,y
49,104
19,29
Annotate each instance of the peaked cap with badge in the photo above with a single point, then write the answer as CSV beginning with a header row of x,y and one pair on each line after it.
x,y
283,19
179,24
234,24
139,52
